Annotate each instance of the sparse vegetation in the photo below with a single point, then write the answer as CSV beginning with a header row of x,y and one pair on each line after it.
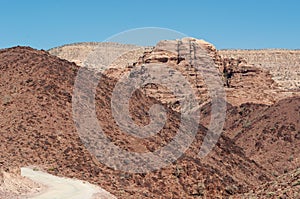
x,y
246,124
256,151
296,183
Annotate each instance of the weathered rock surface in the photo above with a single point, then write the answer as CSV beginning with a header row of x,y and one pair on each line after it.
x,y
284,65
37,128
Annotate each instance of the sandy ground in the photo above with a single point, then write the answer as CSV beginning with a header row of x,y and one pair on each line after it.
x,y
63,188
14,186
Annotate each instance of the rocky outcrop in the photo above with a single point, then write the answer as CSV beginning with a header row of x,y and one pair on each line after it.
x,y
283,64
247,77
243,82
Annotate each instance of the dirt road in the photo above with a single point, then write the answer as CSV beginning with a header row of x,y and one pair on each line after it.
x,y
64,188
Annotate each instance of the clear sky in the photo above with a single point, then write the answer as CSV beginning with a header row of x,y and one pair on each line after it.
x,y
225,23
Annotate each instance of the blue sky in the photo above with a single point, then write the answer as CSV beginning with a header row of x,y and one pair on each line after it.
x,y
227,24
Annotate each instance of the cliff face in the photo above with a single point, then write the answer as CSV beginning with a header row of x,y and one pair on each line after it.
x,y
243,82
284,65
258,76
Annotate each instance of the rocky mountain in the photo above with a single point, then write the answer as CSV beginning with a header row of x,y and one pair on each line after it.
x,y
259,142
269,134
37,129
105,51
248,82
